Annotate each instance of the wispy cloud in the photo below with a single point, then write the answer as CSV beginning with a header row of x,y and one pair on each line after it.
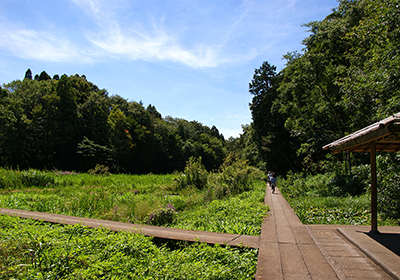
x,y
111,33
152,43
36,44
152,46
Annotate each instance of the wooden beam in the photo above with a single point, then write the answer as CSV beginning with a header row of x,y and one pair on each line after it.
x,y
374,192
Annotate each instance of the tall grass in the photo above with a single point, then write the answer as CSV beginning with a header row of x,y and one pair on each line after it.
x,y
237,215
229,201
145,198
333,210
330,199
10,179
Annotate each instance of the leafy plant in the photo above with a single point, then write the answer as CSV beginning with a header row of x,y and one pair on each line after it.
x,y
194,174
162,216
135,198
323,185
388,166
345,185
237,215
35,178
10,179
332,210
100,169
237,176
31,249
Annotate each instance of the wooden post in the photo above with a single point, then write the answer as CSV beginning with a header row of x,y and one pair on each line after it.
x,y
374,192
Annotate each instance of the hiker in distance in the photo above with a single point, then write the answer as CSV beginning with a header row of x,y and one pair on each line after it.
x,y
272,182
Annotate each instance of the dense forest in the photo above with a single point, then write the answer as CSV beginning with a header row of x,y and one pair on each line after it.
x,y
68,123
345,78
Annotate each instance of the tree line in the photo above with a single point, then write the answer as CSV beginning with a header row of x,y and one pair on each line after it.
x,y
69,123
345,78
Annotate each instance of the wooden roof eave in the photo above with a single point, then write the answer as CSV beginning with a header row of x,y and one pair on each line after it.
x,y
378,133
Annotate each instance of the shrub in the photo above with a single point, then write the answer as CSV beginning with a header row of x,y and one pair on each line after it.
x,y
100,169
293,185
34,178
194,174
9,179
162,216
342,185
363,173
317,185
388,167
389,197
237,176
321,185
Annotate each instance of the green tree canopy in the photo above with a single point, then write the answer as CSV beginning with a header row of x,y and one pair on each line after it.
x,y
345,78
69,123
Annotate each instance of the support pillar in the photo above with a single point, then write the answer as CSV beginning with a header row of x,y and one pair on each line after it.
x,y
374,192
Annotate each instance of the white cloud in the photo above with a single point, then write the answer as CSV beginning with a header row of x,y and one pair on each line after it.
x,y
151,41
38,45
154,45
124,31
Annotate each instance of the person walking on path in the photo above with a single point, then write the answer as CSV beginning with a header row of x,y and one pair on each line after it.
x,y
272,182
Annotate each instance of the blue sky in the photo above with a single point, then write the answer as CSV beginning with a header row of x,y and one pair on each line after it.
x,y
190,59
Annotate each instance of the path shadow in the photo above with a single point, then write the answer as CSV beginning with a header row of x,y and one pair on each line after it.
x,y
390,240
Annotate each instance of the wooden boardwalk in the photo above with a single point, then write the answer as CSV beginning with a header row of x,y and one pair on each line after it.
x,y
154,231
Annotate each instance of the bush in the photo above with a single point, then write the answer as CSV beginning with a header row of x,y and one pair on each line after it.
x,y
31,178
293,185
342,185
100,169
363,173
9,179
34,178
322,185
194,175
389,197
237,176
388,167
163,216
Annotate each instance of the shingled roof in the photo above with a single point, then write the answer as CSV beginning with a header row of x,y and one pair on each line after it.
x,y
385,134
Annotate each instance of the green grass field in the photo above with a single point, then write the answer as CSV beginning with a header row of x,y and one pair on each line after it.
x,y
36,250
133,198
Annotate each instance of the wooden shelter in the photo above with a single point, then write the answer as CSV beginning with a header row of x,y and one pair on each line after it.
x,y
383,136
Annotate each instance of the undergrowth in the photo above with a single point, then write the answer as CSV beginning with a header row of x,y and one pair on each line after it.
x,y
36,250
174,200
341,199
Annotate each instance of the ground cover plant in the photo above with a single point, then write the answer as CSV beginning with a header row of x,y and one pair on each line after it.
x,y
231,200
36,250
343,199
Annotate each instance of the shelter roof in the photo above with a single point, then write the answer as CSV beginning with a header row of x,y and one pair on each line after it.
x,y
385,133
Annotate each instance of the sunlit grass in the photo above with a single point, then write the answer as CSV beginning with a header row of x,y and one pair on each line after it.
x,y
133,198
35,250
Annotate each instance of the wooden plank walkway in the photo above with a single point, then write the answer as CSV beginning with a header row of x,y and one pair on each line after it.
x,y
291,250
159,232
